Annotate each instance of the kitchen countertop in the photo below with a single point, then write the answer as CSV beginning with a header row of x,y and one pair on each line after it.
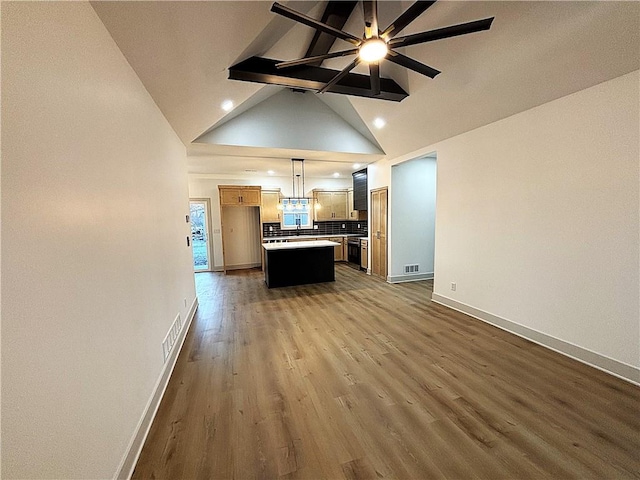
x,y
293,245
294,237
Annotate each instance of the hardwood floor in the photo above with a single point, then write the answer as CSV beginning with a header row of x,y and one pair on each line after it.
x,y
362,379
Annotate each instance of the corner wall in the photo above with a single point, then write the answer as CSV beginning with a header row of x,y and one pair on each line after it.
x,y
538,224
95,265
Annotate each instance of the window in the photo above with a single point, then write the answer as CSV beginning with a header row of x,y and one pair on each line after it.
x,y
296,212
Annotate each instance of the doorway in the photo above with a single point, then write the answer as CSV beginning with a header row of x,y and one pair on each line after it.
x,y
378,205
199,215
413,223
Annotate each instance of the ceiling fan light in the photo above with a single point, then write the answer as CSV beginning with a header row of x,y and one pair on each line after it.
x,y
373,50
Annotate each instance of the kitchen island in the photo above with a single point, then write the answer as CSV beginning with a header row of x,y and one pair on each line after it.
x,y
298,263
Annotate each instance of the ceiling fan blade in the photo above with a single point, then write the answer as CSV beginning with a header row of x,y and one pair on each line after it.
x,y
311,22
413,12
318,58
412,64
341,75
370,8
374,75
440,33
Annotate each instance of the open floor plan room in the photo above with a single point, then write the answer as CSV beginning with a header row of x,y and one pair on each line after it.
x,y
320,239
359,378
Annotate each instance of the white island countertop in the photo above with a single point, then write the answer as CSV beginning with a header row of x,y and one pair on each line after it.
x,y
293,245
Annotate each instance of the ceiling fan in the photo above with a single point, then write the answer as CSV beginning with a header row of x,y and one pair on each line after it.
x,y
376,44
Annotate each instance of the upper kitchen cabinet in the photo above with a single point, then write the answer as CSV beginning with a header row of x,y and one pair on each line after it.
x,y
353,213
360,187
270,211
333,205
235,195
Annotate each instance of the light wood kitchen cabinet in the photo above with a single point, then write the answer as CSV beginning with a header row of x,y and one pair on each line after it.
x,y
270,201
338,250
333,205
353,213
364,254
234,195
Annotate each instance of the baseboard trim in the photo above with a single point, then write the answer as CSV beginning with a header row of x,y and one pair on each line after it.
x,y
243,266
410,278
128,463
601,362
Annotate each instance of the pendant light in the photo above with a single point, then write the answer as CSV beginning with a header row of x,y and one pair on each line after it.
x,y
297,199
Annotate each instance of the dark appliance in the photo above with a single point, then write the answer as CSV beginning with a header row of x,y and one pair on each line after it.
x,y
353,251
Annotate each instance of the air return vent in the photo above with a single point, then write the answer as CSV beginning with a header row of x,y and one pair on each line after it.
x,y
172,336
411,268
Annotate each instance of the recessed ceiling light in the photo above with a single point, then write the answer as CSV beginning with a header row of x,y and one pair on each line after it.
x,y
356,165
227,105
336,174
270,172
379,122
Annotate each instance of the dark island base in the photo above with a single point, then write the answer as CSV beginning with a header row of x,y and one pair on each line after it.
x,y
299,266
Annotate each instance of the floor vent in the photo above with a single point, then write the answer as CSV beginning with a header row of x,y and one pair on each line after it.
x,y
172,336
411,268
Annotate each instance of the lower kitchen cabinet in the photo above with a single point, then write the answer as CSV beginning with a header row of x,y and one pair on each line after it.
x,y
364,254
338,250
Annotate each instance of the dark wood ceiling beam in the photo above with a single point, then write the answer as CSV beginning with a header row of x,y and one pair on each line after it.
x,y
263,70
335,14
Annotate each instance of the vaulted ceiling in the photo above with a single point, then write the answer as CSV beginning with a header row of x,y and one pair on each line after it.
x,y
535,52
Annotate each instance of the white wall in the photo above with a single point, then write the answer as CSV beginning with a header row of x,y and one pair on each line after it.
x,y
95,264
413,203
538,223
206,186
284,120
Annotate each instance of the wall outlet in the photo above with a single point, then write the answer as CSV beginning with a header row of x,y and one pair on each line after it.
x,y
358,225
315,227
216,230
453,286
344,226
271,229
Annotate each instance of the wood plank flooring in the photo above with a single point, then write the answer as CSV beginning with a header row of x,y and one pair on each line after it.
x,y
361,379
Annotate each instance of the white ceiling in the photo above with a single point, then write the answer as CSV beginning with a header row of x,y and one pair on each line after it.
x,y
535,52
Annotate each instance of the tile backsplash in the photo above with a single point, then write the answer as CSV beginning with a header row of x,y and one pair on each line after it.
x,y
324,228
